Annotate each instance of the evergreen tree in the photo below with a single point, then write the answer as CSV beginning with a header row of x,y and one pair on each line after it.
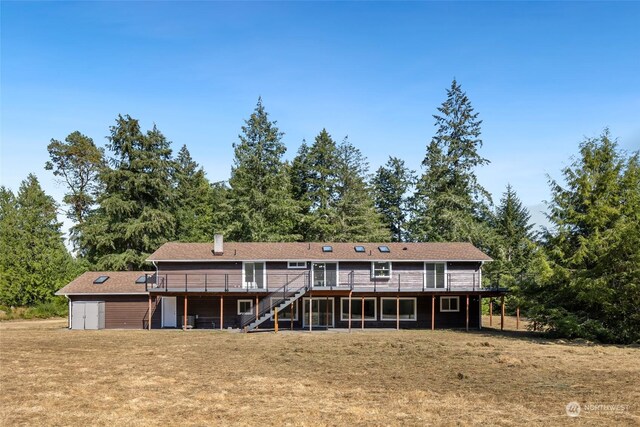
x,y
194,208
449,204
514,231
356,216
391,184
34,262
314,180
77,162
263,208
593,247
135,213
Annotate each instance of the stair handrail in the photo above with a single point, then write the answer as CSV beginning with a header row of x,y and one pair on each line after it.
x,y
274,299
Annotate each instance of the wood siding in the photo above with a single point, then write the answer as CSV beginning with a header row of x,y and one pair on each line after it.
x,y
124,311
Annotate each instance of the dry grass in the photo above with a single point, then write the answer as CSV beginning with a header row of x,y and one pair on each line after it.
x,y
53,376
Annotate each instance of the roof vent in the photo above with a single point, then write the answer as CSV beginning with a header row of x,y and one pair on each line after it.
x,y
218,244
100,280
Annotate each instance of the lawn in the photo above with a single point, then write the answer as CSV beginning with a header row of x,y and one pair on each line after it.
x,y
53,376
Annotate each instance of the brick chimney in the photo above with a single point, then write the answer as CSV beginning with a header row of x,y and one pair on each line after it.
x,y
218,244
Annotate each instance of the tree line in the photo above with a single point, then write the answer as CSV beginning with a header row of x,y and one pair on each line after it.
x,y
578,278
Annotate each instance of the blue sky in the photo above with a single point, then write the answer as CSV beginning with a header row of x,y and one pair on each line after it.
x,y
542,76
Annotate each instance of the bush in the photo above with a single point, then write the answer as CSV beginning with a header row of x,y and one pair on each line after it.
x,y
57,307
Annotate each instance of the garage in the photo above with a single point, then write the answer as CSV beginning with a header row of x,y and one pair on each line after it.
x,y
87,315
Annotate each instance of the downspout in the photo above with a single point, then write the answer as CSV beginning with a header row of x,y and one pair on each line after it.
x,y
70,312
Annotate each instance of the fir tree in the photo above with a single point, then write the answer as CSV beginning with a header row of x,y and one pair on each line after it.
x,y
34,262
135,213
356,217
194,208
260,194
593,248
514,230
449,204
77,162
392,183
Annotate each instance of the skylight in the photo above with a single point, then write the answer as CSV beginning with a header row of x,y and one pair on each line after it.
x,y
142,279
100,280
384,249
327,249
358,248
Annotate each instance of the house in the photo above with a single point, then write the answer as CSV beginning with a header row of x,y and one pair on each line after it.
x,y
302,285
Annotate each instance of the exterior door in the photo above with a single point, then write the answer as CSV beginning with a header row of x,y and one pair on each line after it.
x,y
321,312
87,315
254,273
169,312
325,274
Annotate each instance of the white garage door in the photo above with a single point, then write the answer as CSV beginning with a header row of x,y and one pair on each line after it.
x,y
87,315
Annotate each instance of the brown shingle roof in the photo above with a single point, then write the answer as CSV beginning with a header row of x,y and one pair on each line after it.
x,y
313,251
119,282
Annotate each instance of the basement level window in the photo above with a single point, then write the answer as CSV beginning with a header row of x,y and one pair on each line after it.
x,y
327,249
100,280
358,248
384,249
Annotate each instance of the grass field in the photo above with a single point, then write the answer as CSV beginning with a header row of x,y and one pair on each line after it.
x,y
53,376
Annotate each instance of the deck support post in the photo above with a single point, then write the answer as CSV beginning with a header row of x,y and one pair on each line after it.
x,y
397,313
479,312
276,319
184,323
433,312
326,317
502,313
467,313
362,315
257,311
350,294
517,317
291,322
310,312
149,325
221,312
491,311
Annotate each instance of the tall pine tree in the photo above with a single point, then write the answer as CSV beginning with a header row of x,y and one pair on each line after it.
x,y
34,262
194,208
77,163
260,194
391,185
449,204
135,209
593,248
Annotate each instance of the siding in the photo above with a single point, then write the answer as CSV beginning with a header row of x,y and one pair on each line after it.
x,y
123,311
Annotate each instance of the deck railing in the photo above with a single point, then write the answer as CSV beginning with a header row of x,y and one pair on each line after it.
x,y
353,280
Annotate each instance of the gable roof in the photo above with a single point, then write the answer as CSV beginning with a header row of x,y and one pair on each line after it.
x,y
119,282
278,251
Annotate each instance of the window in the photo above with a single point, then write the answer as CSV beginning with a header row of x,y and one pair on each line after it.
x,y
245,306
142,279
449,304
356,309
100,280
407,309
384,249
380,270
325,274
285,313
297,264
327,249
358,248
254,275
435,275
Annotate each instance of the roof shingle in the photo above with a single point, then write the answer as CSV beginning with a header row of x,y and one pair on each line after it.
x,y
276,251
119,282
